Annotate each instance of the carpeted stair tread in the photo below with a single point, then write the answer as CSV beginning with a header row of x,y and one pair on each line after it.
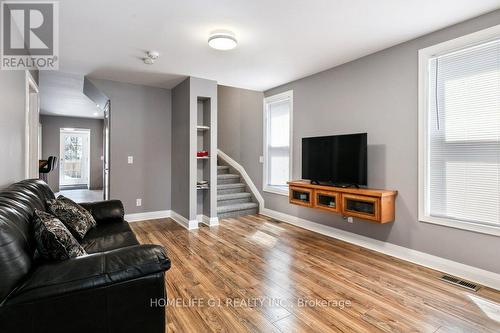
x,y
237,207
229,196
228,186
228,176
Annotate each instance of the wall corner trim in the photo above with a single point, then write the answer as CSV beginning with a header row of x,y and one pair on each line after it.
x,y
483,277
210,221
235,165
181,220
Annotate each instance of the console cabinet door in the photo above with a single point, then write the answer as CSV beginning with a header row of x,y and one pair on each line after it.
x,y
361,206
327,200
301,196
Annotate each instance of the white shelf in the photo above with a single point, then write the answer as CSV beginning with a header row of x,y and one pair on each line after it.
x,y
203,188
203,158
202,128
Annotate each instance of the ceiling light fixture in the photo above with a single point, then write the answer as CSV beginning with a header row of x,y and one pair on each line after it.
x,y
151,56
222,40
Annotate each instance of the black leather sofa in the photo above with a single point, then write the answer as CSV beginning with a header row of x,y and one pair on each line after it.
x,y
109,290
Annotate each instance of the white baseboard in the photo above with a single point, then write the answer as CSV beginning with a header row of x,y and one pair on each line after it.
x,y
161,214
481,276
210,221
188,224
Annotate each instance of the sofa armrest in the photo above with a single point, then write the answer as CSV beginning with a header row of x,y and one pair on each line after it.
x,y
92,271
105,211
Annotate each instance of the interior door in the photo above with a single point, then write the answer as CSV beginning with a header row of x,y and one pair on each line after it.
x,y
74,158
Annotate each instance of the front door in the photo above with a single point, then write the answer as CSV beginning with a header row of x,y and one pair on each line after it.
x,y
74,157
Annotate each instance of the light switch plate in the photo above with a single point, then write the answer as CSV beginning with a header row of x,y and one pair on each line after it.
x,y
138,202
131,160
261,159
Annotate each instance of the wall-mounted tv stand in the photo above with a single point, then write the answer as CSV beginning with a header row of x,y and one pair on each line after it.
x,y
369,204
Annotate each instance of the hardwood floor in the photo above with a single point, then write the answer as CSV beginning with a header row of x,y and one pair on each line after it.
x,y
255,274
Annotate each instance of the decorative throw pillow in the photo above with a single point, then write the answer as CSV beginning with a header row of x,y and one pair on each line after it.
x,y
53,239
78,220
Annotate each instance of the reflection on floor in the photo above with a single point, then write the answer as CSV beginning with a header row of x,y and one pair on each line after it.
x,y
82,195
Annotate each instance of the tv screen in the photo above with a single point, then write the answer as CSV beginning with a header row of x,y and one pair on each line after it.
x,y
337,159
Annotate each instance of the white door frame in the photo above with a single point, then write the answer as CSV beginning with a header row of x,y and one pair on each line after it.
x,y
82,131
32,120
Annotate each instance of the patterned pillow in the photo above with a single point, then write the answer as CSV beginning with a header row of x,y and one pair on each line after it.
x,y
78,220
53,239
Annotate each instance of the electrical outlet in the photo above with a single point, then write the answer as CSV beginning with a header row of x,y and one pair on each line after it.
x,y
261,159
131,160
350,219
138,202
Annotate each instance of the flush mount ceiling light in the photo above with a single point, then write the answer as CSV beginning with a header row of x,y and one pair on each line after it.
x,y
222,40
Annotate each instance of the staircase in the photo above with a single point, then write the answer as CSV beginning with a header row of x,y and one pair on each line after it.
x,y
232,197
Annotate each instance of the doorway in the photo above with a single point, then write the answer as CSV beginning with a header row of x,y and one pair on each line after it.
x,y
75,118
74,171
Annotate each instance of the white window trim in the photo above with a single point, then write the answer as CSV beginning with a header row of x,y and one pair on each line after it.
x,y
423,85
265,187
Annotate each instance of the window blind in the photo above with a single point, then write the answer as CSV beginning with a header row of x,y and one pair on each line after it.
x,y
463,136
278,142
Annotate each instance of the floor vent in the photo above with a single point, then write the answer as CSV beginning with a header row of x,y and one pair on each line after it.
x,y
461,283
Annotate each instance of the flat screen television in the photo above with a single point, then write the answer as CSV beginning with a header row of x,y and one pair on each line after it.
x,y
337,160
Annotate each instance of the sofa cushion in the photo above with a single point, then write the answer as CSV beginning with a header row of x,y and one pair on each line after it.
x,y
78,220
17,244
53,239
108,237
92,271
108,211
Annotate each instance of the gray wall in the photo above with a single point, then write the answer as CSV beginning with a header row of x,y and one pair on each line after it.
x,y
12,122
181,148
377,94
140,127
240,128
51,126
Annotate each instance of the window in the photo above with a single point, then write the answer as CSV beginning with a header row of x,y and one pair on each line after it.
x,y
277,142
459,133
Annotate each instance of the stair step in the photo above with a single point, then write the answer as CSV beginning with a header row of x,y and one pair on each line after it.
x,y
236,207
222,169
233,198
228,175
230,188
228,178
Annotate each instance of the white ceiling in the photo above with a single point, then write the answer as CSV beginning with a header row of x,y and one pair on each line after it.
x,y
61,94
279,40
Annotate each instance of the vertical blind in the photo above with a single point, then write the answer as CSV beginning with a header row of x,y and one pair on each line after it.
x,y
463,136
278,142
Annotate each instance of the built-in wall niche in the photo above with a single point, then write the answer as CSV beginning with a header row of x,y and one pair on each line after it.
x,y
204,152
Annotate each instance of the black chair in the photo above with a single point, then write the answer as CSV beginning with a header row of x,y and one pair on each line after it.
x,y
47,167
